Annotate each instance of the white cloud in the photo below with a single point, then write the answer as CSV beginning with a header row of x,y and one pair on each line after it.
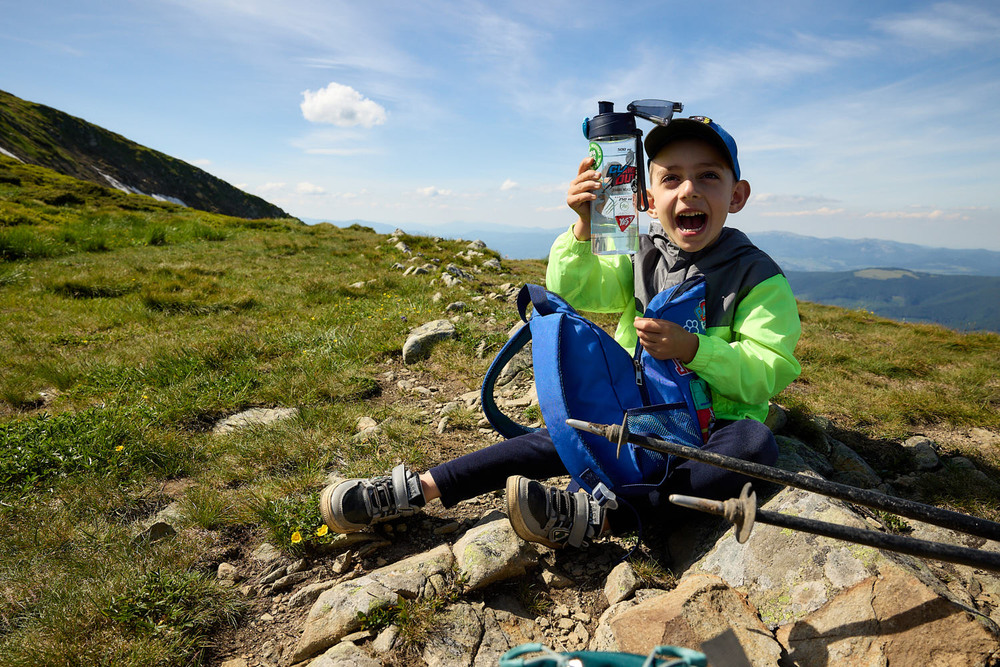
x,y
508,185
271,187
932,215
201,162
432,191
771,198
825,210
306,188
943,26
341,105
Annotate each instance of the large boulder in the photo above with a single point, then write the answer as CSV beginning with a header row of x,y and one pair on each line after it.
x,y
835,602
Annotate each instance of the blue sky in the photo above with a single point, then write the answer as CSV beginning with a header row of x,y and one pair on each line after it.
x,y
854,119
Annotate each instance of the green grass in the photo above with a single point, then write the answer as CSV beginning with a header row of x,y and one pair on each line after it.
x,y
132,326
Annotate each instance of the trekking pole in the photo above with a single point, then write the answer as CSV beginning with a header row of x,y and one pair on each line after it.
x,y
619,434
742,512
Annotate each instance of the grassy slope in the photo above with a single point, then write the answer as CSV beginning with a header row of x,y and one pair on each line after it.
x,y
130,326
72,146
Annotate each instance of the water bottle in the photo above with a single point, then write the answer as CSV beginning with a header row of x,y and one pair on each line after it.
x,y
616,146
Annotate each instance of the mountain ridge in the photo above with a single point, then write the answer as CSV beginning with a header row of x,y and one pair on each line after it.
x,y
47,137
793,252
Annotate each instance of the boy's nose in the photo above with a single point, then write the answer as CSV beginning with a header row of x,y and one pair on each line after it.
x,y
686,188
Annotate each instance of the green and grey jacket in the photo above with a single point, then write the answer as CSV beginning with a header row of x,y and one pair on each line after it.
x,y
747,355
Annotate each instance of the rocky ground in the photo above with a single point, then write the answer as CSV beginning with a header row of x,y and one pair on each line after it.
x,y
782,597
571,599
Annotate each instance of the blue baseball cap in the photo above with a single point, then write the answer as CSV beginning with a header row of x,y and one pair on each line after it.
x,y
695,127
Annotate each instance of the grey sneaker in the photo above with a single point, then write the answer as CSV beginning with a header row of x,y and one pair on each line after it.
x,y
551,516
353,504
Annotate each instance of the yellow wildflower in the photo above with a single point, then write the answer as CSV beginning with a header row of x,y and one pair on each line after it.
x,y
322,530
119,448
296,537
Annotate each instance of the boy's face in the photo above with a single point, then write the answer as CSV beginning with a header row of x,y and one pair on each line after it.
x,y
691,191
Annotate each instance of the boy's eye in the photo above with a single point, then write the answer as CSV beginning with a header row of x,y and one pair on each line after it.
x,y
710,174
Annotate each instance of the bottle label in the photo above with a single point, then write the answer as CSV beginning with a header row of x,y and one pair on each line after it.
x,y
597,153
624,221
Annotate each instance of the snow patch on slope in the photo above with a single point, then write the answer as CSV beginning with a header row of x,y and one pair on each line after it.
x,y
118,185
9,154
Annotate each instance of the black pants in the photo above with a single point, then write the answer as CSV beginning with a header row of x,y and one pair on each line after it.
x,y
533,455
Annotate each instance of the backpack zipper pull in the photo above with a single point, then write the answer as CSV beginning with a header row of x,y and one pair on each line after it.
x,y
638,371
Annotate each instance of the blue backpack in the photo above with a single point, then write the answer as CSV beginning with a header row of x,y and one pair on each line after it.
x,y
581,372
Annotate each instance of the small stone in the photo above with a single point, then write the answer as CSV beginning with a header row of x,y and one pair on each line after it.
x,y
158,531
448,528
227,572
275,574
290,580
300,565
386,639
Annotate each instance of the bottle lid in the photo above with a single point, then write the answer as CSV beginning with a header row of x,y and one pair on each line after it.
x,y
607,123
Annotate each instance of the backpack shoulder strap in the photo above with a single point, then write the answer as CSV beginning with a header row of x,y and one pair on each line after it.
x,y
543,303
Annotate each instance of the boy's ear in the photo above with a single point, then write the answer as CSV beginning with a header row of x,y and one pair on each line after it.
x,y
652,204
741,193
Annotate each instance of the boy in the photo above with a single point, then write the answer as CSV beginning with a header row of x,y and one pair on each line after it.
x,y
746,356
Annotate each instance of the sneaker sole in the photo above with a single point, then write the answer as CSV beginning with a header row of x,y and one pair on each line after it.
x,y
326,511
517,520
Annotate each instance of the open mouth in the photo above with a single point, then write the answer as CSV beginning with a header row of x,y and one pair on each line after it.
x,y
691,222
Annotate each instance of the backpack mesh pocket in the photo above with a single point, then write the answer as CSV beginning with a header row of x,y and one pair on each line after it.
x,y
671,422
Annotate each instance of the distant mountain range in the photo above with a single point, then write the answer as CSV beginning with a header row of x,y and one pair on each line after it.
x,y
793,252
965,303
46,137
959,289
805,253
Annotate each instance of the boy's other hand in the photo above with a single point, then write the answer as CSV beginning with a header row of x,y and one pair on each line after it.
x,y
581,193
665,340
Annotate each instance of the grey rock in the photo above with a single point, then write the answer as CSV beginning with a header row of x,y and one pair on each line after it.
x,y
266,553
555,579
455,307
621,583
273,575
787,574
777,418
308,594
420,342
493,264
345,654
851,468
502,631
923,452
289,580
456,637
458,272
159,530
254,417
403,248
491,551
386,639
796,456
227,572
700,608
301,565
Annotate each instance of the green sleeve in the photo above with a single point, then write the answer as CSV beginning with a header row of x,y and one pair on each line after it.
x,y
745,367
600,284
